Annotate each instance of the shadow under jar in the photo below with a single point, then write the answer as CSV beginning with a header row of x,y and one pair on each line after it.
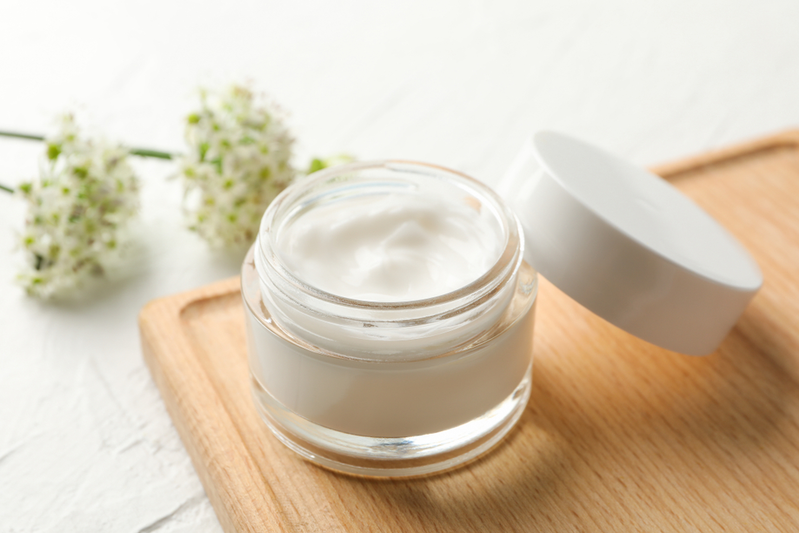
x,y
389,318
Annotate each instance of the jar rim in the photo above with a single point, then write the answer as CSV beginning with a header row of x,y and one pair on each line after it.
x,y
510,255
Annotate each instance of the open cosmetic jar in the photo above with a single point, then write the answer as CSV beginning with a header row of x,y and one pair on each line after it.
x,y
390,305
390,318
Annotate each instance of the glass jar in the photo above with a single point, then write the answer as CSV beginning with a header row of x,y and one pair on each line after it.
x,y
389,388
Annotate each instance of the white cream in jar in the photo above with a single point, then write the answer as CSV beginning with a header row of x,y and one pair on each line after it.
x,y
395,247
390,318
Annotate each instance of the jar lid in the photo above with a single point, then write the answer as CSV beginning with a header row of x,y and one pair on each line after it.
x,y
627,245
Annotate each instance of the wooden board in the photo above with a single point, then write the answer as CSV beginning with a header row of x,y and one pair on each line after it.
x,y
618,436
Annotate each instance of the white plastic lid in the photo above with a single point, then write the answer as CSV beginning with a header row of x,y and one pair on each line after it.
x,y
627,245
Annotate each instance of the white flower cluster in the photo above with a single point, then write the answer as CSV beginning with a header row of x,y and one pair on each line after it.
x,y
85,194
238,161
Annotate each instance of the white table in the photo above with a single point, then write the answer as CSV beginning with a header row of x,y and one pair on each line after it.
x,y
85,442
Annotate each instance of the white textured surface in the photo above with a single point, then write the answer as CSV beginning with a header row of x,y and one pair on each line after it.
x,y
85,443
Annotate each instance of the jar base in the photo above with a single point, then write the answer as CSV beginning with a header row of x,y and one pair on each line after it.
x,y
392,457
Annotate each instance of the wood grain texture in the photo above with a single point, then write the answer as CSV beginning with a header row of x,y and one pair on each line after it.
x,y
618,436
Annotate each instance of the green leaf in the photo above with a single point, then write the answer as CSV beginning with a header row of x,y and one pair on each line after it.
x,y
53,151
316,165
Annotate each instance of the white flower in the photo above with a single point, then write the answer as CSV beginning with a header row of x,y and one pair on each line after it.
x,y
237,162
85,194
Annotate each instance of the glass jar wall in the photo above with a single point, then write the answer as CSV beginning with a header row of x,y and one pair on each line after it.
x,y
391,384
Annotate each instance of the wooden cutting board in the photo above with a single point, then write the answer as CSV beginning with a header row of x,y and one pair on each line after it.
x,y
618,436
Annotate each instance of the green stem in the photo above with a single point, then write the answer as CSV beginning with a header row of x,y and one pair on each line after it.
x,y
141,152
21,135
146,152
6,189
